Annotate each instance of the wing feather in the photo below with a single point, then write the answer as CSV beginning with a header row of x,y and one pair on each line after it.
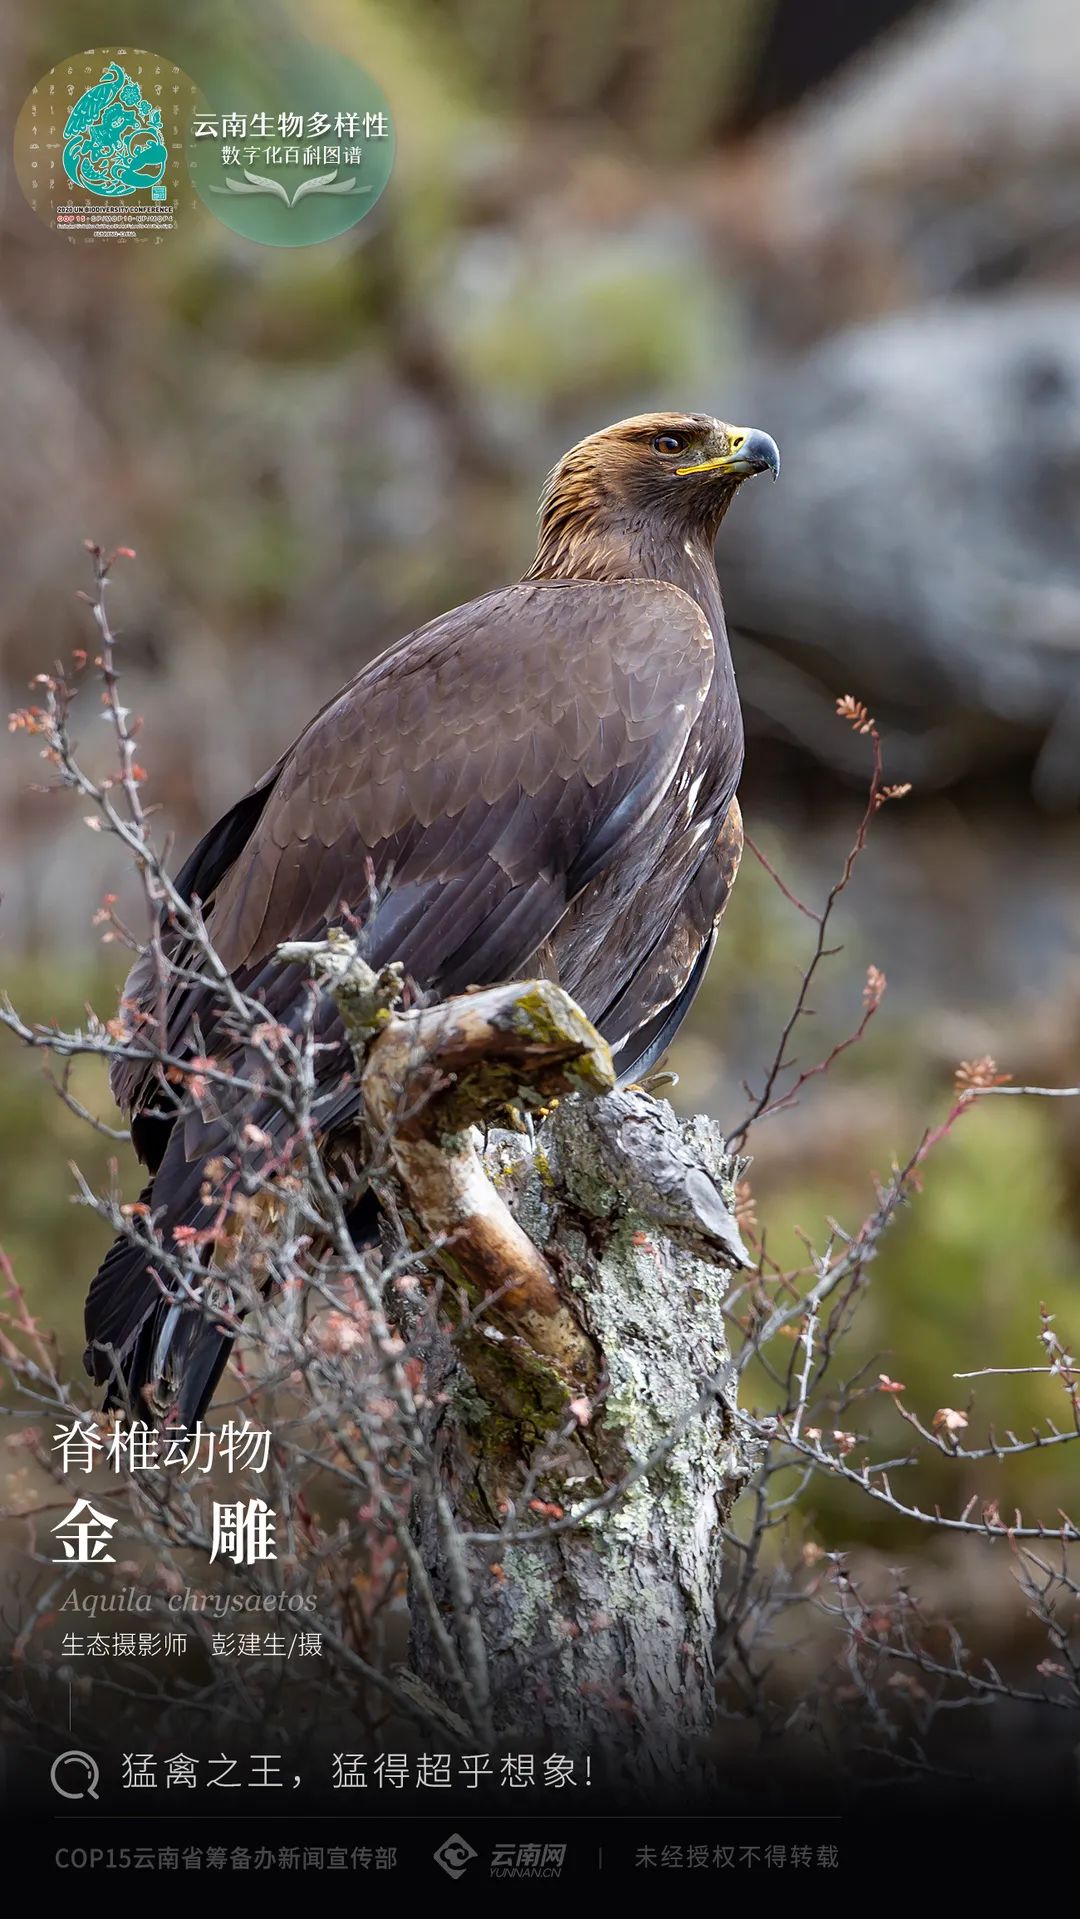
x,y
485,770
550,718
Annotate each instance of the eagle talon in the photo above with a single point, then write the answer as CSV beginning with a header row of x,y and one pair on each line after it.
x,y
652,1083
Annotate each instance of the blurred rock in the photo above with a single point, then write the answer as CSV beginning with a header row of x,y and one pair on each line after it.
x,y
913,244
921,550
945,159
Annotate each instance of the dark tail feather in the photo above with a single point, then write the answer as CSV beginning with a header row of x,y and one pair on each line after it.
x,y
155,1349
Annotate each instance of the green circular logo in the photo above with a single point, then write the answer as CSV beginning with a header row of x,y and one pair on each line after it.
x,y
291,146
99,144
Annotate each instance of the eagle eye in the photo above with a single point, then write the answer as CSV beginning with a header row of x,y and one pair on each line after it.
x,y
669,443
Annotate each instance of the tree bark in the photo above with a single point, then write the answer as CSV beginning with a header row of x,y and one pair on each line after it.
x,y
598,1614
582,1444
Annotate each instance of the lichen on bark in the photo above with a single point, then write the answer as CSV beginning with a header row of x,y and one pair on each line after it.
x,y
600,1632
582,1447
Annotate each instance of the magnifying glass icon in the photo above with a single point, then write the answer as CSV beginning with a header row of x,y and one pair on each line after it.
x,y
75,1766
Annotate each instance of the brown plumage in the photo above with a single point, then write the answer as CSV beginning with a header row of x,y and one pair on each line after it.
x,y
540,781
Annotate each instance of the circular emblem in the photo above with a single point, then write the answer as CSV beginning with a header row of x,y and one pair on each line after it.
x,y
291,145
99,144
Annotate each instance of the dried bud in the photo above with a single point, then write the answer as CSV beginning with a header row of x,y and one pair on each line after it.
x,y
850,709
898,792
874,990
974,1074
948,1420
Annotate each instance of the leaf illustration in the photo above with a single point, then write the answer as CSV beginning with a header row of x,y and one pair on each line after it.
x,y
313,185
325,184
253,183
320,183
266,186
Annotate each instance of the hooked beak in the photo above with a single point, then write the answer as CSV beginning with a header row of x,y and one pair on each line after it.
x,y
749,451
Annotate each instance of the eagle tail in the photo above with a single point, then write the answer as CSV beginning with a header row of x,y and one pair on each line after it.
x,y
158,1350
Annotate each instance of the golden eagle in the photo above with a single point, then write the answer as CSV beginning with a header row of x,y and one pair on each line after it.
x,y
540,782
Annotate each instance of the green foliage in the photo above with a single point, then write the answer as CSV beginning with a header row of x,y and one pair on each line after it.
x,y
956,1287
53,1244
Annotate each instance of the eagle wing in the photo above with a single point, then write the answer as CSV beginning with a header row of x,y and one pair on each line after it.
x,y
641,1023
470,783
454,799
487,770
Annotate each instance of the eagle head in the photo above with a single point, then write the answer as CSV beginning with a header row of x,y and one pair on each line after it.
x,y
668,474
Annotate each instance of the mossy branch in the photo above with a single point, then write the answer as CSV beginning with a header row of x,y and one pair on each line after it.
x,y
429,1076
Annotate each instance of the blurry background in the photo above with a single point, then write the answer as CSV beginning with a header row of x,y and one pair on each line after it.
x,y
857,227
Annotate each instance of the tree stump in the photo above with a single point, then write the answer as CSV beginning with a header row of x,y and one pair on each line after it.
x,y
582,1447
